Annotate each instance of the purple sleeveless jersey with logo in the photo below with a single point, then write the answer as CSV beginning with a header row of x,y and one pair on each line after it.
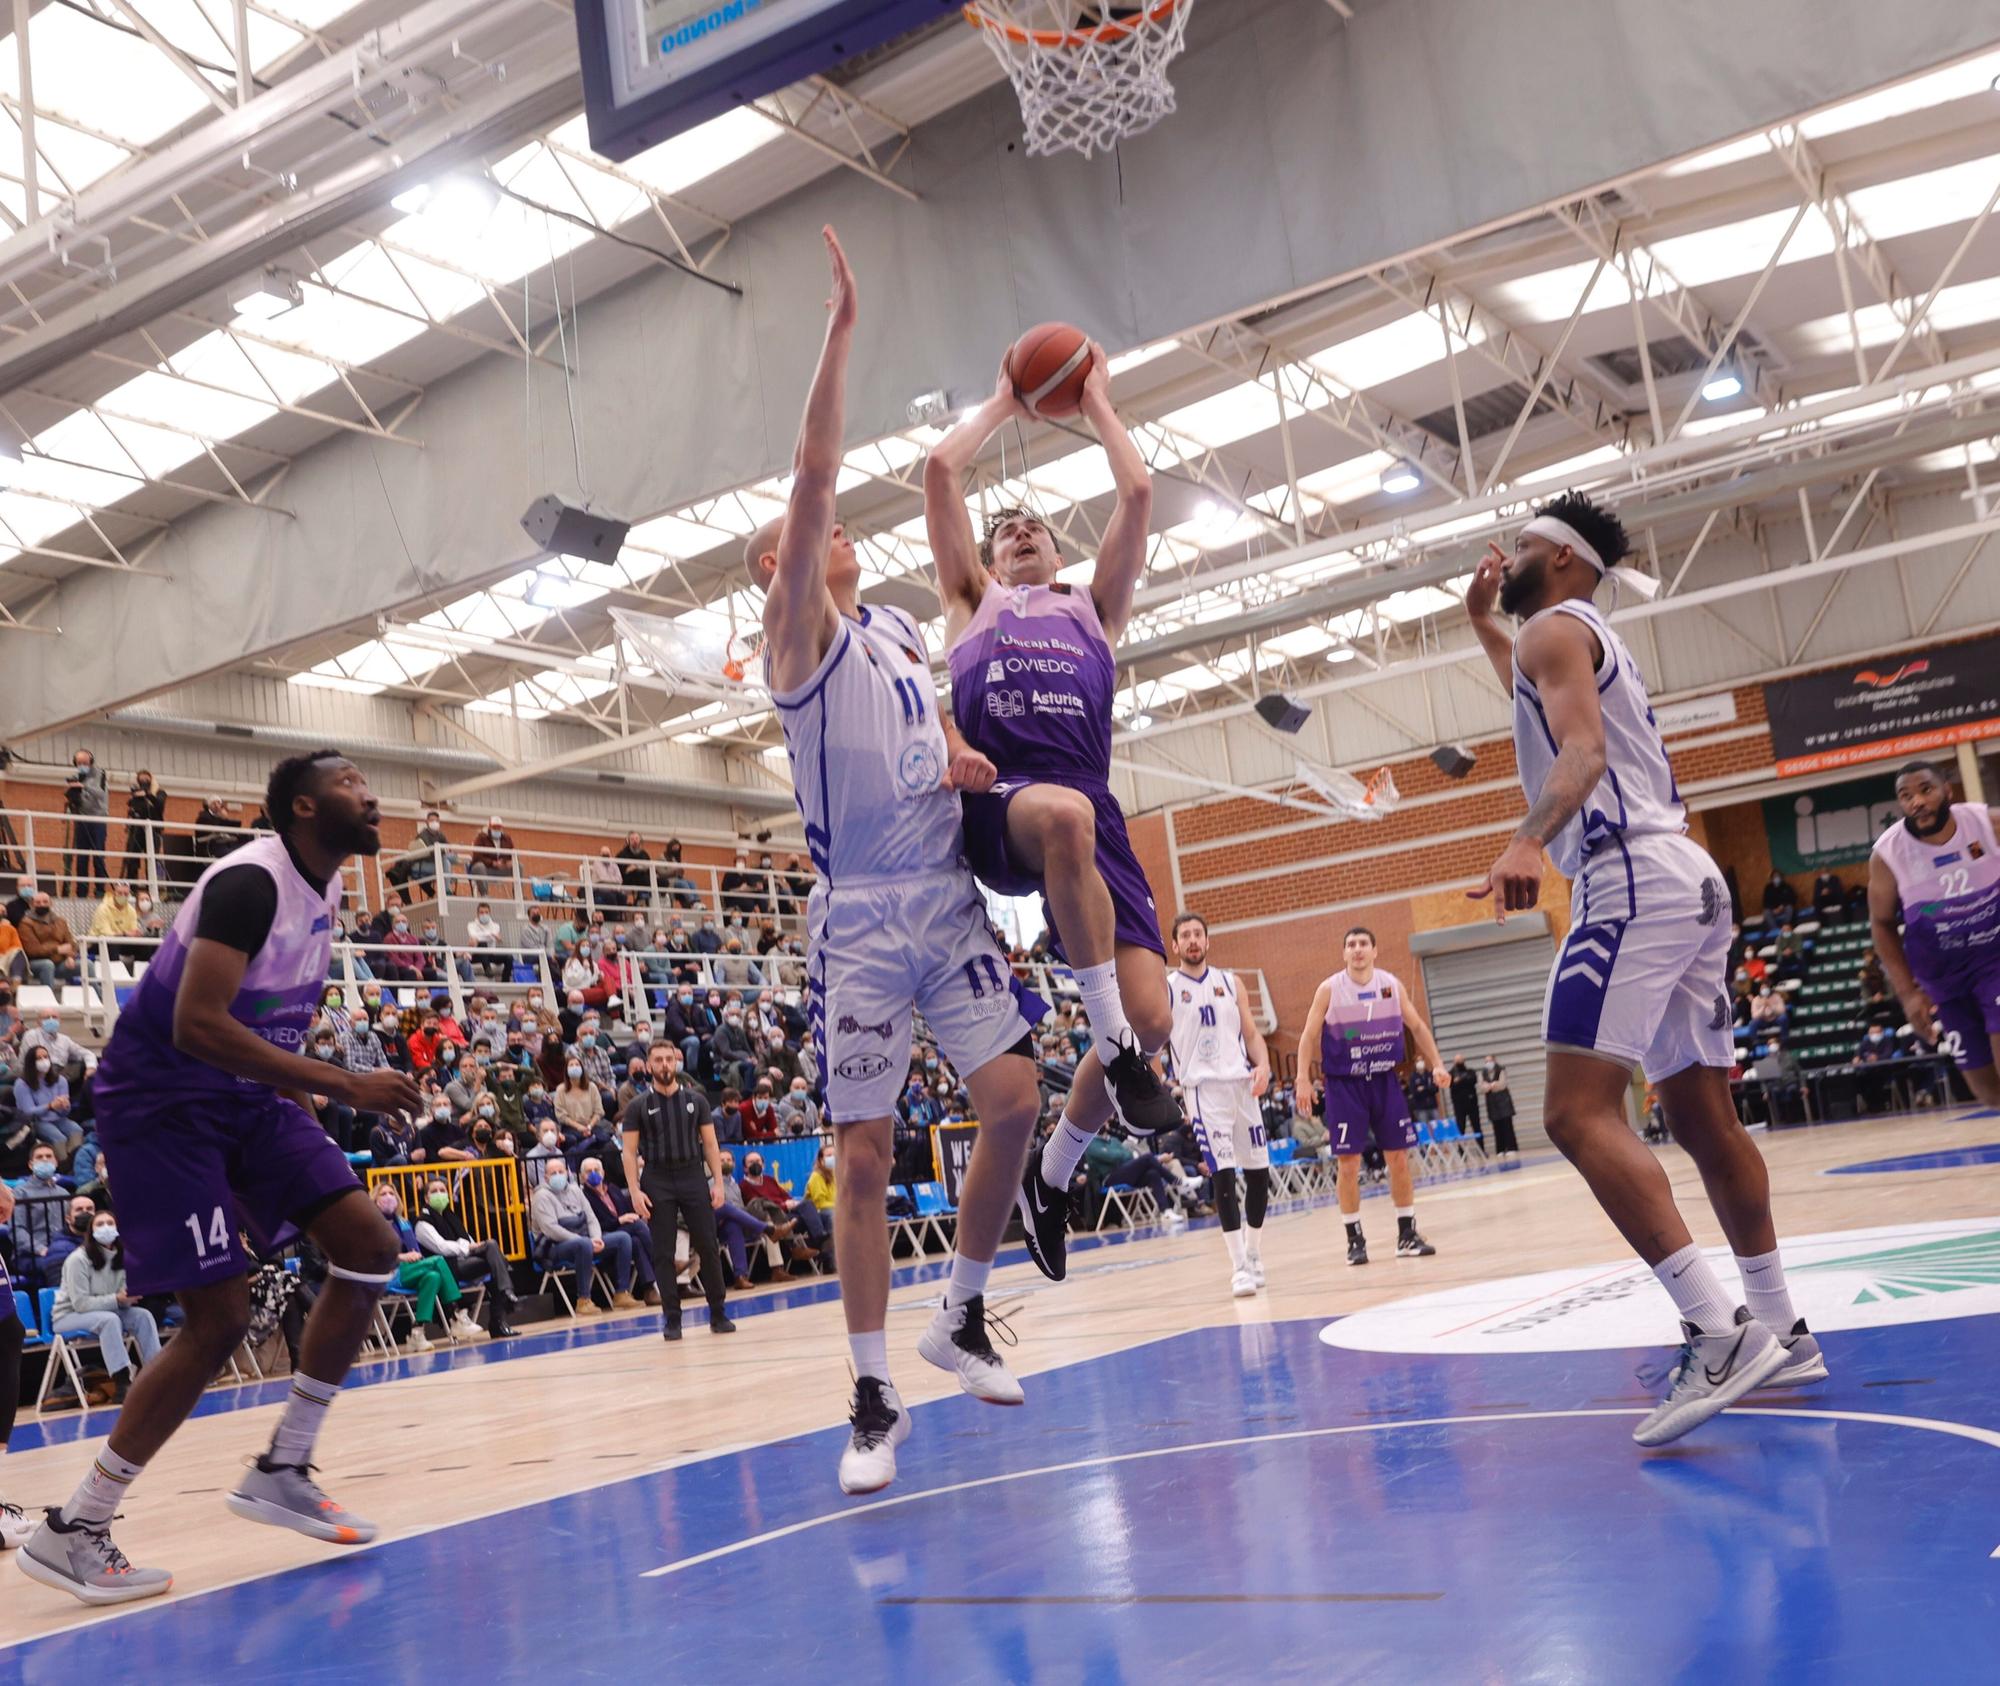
x,y
1360,1046
1032,681
1950,893
200,1154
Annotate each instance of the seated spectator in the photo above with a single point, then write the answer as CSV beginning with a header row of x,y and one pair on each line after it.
x,y
707,942
92,1302
47,942
772,1200
609,991
537,1107
1780,899
1829,898
117,916
1110,1162
819,1186
673,876
593,1049
442,1231
13,957
795,888
1768,1009
568,1237
741,889
733,1054
1876,1050
579,1103
41,1100
442,1136
613,1209
798,1112
422,1274
1874,981
579,972
635,869
54,1248
336,1118
636,1083
492,854
482,931
392,1140
1879,1009
738,1229
606,884
402,956
535,933
760,1112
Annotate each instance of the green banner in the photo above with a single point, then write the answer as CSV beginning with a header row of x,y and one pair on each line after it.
x,y
1835,825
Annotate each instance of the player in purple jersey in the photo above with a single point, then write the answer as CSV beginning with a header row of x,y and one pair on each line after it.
x,y
202,1108
1032,678
1936,874
1354,1033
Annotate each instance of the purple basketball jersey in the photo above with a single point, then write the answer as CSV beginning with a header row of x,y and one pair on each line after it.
x,y
1032,682
1362,1035
280,991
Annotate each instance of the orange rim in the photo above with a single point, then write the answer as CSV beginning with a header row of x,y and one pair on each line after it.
x,y
1056,38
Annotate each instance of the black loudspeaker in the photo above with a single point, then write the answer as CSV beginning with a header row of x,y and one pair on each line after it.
x,y
1281,713
568,531
1453,760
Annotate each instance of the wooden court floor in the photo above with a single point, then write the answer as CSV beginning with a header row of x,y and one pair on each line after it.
x,y
465,1435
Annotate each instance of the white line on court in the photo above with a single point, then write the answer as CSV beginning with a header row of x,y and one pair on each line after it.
x,y
1964,1431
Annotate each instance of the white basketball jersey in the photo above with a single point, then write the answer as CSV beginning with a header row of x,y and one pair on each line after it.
x,y
1207,1038
868,755
1636,793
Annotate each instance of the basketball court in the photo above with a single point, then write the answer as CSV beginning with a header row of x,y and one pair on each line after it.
x,y
305,300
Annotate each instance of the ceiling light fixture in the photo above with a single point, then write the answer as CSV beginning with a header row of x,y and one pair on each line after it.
x,y
1399,478
270,293
1726,384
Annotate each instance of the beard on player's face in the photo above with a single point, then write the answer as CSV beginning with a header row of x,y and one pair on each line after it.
x,y
1926,807
1521,581
1193,946
347,820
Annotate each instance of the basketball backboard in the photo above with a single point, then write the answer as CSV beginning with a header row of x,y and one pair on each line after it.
x,y
653,68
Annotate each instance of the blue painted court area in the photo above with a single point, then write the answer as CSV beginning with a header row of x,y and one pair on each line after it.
x,y
1943,1159
1238,1503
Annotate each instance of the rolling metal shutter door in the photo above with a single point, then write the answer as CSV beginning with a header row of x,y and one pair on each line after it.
x,y
1486,998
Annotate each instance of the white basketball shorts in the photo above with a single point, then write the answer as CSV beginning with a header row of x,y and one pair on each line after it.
x,y
1228,1124
880,948
1642,977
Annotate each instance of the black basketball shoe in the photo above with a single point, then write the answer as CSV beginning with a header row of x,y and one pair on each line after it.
x,y
1044,1213
1144,1104
1357,1245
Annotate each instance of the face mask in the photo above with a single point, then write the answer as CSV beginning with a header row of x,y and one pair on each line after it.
x,y
762,1103
687,1000
828,1162
645,1033
595,1179
486,1112
484,1061
52,1027
534,1001
387,1208
324,1050
575,1070
145,904
442,1112
557,1181
41,1070
548,1138
388,1024
538,1093
586,1040
402,925
44,1170
437,1200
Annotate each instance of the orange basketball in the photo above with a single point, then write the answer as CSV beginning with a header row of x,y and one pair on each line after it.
x,y
1048,365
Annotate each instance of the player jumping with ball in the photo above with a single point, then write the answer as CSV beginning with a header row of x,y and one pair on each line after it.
x,y
1032,680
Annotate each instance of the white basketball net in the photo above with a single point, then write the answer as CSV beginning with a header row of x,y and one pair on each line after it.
x,y
710,664
1087,74
1350,797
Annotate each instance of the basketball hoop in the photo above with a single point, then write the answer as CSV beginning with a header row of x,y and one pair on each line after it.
x,y
1084,84
1351,798
711,664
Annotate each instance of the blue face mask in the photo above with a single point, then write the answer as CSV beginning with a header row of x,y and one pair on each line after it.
x,y
557,1181
594,1178
52,1027
586,1040
44,1171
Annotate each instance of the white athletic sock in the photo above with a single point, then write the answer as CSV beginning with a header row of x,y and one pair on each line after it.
x,y
968,1278
1765,1293
1063,1152
871,1354
1351,1219
1697,1290
1253,1242
298,1428
101,1492
1239,1249
1406,1211
1100,1000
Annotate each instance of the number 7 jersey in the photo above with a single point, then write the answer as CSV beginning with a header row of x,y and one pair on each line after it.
x,y
1207,1038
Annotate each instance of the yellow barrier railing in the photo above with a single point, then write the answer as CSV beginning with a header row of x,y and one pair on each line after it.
x,y
486,1193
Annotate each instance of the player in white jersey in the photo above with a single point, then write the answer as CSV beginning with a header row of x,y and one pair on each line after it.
x,y
1223,1069
1934,903
1640,978
895,920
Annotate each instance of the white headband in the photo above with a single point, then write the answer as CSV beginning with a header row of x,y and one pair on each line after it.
x,y
1558,531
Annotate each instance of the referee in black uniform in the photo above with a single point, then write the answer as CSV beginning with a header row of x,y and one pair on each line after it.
x,y
669,1129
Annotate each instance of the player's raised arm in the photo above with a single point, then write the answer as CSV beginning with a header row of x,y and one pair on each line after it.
x,y
1558,654
798,614
1121,557
961,576
1253,1043
1885,908
1480,597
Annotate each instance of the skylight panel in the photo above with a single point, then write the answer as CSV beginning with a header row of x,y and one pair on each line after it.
x,y
1932,199
1568,466
319,678
1742,248
1550,295
104,78
1954,82
1416,603
1227,416
208,414
337,327
1731,152
1383,354
703,150
1139,356
1076,478
1358,477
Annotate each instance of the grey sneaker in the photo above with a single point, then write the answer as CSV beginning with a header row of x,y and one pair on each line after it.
x,y
1712,1373
286,1496
80,1558
1804,1362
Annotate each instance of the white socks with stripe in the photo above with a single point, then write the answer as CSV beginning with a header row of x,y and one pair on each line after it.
x,y
1063,1152
298,1428
871,1354
1765,1293
1099,985
968,1280
1698,1291
101,1492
